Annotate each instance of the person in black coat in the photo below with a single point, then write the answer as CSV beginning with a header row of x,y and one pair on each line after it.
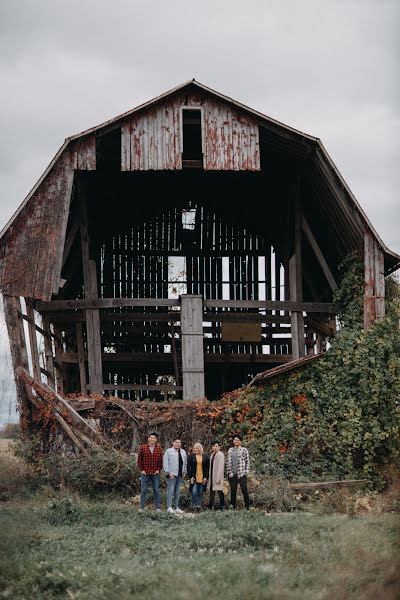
x,y
198,468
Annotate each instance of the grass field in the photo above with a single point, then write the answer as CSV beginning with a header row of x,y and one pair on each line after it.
x,y
70,548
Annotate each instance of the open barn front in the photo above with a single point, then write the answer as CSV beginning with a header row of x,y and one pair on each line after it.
x,y
178,250
188,277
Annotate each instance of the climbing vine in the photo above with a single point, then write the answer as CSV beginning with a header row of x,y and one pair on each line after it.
x,y
337,417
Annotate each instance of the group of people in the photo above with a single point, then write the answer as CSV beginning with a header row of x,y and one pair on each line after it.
x,y
205,472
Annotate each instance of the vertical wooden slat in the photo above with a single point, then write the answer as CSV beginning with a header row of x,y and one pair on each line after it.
x,y
48,350
19,356
92,315
33,340
296,291
192,347
81,358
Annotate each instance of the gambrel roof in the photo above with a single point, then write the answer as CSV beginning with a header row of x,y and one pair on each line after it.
x,y
39,224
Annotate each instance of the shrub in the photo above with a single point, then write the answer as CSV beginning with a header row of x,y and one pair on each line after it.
x,y
17,479
335,418
100,473
274,495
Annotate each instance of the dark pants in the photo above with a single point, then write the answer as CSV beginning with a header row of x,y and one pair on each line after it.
x,y
233,482
221,499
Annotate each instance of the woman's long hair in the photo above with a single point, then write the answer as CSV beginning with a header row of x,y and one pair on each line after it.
x,y
199,446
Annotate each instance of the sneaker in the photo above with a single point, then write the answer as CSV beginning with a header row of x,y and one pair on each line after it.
x,y
170,510
179,511
158,509
141,510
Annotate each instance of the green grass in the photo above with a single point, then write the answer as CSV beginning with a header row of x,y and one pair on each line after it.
x,y
70,548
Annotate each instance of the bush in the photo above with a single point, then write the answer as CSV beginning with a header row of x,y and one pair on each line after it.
x,y
100,473
274,495
335,418
18,481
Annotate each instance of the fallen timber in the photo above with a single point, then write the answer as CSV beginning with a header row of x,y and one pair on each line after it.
x,y
63,411
323,485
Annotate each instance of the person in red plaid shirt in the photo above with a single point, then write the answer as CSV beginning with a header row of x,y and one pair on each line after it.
x,y
150,462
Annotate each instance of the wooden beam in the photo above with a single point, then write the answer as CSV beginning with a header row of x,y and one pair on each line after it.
x,y
192,347
48,351
33,339
374,286
93,337
147,357
69,242
105,303
102,303
81,357
323,485
62,406
138,387
58,349
296,286
19,355
320,257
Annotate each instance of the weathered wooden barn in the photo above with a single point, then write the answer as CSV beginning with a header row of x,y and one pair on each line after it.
x,y
179,249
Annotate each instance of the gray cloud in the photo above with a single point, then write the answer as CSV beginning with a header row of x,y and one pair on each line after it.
x,y
328,68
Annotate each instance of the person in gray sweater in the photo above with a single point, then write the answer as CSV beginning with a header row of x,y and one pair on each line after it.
x,y
175,467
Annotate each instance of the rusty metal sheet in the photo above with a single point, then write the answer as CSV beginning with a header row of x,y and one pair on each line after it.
x,y
241,332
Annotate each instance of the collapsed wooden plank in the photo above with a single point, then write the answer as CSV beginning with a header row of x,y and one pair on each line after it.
x,y
63,407
323,485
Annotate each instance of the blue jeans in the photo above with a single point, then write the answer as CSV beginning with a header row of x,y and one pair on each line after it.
x,y
144,484
197,494
173,491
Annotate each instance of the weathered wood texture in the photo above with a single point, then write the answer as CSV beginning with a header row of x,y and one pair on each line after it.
x,y
19,356
374,291
296,285
93,337
62,406
32,249
231,139
152,138
192,347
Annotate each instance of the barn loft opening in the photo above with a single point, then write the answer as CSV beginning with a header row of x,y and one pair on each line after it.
x,y
199,243
192,138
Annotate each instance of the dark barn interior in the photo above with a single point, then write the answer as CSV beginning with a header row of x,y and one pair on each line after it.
x,y
180,249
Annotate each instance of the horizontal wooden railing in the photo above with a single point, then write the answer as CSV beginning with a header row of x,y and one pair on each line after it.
x,y
105,303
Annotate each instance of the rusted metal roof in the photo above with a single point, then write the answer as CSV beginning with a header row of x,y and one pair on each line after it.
x,y
290,366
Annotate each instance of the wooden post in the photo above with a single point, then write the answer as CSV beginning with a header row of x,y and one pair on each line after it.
x,y
58,363
192,347
33,339
19,355
81,358
296,286
92,315
48,350
374,292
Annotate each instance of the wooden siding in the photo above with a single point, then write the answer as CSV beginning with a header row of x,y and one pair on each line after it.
x,y
151,140
33,247
231,139
374,286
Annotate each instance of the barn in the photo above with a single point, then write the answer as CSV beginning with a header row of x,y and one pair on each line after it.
x,y
179,249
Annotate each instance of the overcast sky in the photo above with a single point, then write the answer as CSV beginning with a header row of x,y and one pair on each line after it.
x,y
327,67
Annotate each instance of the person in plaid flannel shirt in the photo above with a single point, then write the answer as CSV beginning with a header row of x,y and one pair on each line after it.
x,y
238,466
150,462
